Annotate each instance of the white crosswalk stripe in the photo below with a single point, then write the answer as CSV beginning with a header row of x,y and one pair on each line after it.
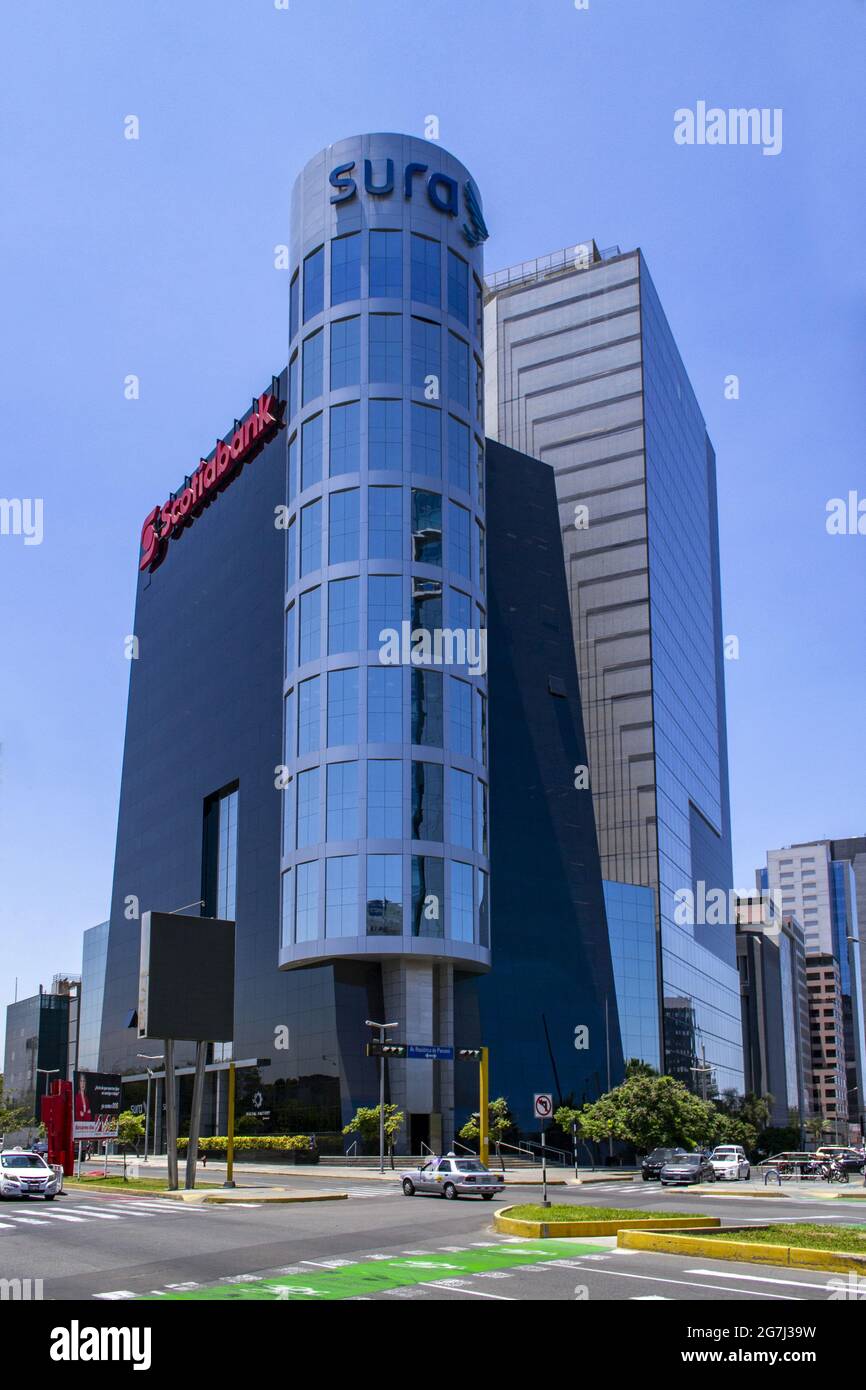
x,y
79,1213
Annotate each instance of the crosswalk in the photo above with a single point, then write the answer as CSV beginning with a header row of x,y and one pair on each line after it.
x,y
30,1214
382,1190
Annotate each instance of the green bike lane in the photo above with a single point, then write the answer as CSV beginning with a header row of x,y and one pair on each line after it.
x,y
342,1279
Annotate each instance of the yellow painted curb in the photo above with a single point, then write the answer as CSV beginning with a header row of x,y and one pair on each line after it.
x,y
744,1251
539,1230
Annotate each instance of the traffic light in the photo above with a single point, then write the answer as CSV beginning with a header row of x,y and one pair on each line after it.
x,y
380,1049
469,1054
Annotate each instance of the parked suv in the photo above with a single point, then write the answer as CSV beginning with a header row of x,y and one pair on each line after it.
x,y
652,1165
729,1161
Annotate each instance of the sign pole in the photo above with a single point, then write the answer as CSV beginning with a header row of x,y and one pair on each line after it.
x,y
544,1201
195,1113
382,1105
170,1115
230,1129
484,1108
147,1115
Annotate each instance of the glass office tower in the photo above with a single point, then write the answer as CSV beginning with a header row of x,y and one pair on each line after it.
x,y
583,372
385,854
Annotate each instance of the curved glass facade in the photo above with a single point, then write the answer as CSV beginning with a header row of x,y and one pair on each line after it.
x,y
384,845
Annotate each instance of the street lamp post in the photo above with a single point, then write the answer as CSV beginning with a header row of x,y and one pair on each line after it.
x,y
382,1029
148,1057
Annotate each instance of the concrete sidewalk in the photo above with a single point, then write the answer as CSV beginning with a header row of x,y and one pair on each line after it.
x,y
514,1177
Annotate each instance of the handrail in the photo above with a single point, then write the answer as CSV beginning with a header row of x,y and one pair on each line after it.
x,y
458,1145
426,1149
518,1148
352,1149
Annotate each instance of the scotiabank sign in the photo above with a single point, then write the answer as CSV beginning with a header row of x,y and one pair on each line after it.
x,y
164,523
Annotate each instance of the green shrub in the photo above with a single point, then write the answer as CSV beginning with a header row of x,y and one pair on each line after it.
x,y
275,1143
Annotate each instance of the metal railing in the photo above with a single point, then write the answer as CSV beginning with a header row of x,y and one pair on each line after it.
x,y
580,256
352,1151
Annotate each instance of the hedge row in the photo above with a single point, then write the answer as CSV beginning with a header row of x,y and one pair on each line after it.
x,y
280,1143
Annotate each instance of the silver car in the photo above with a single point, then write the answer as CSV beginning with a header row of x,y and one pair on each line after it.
x,y
452,1177
26,1174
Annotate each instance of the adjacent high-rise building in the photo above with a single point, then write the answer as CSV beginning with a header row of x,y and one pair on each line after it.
x,y
41,1038
582,372
777,1042
827,1024
808,880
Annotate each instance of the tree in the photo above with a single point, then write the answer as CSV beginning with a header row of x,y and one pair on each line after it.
x,y
636,1067
13,1117
816,1127
365,1123
130,1130
650,1111
500,1123
566,1116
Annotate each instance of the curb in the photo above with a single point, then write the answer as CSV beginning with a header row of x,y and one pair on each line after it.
x,y
247,1194
243,1194
743,1251
542,1230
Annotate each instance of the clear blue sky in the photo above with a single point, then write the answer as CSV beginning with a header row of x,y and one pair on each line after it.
x,y
156,258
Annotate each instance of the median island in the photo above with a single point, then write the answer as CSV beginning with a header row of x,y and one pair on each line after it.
x,y
799,1235
532,1211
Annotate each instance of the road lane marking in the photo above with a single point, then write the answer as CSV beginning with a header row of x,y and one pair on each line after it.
x,y
756,1278
689,1284
457,1288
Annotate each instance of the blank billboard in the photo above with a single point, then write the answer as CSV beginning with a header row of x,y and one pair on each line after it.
x,y
187,978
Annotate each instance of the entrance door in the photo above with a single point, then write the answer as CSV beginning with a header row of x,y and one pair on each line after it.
x,y
419,1132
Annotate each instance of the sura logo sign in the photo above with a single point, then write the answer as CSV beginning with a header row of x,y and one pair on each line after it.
x,y
443,192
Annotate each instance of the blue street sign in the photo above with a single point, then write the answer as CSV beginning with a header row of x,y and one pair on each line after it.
x,y
430,1054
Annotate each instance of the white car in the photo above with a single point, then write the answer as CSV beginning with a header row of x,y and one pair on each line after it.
x,y
729,1161
452,1177
26,1174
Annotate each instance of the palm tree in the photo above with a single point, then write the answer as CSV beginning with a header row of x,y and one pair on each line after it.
x,y
816,1127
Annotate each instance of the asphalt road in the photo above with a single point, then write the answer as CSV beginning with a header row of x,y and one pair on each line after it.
x,y
86,1246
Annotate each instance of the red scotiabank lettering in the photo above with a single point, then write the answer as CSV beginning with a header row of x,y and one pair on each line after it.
x,y
167,521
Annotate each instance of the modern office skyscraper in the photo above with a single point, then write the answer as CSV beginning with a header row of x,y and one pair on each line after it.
x,y
582,371
777,1041
852,850
822,891
311,725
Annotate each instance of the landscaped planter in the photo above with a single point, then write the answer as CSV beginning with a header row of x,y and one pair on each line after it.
x,y
539,1230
